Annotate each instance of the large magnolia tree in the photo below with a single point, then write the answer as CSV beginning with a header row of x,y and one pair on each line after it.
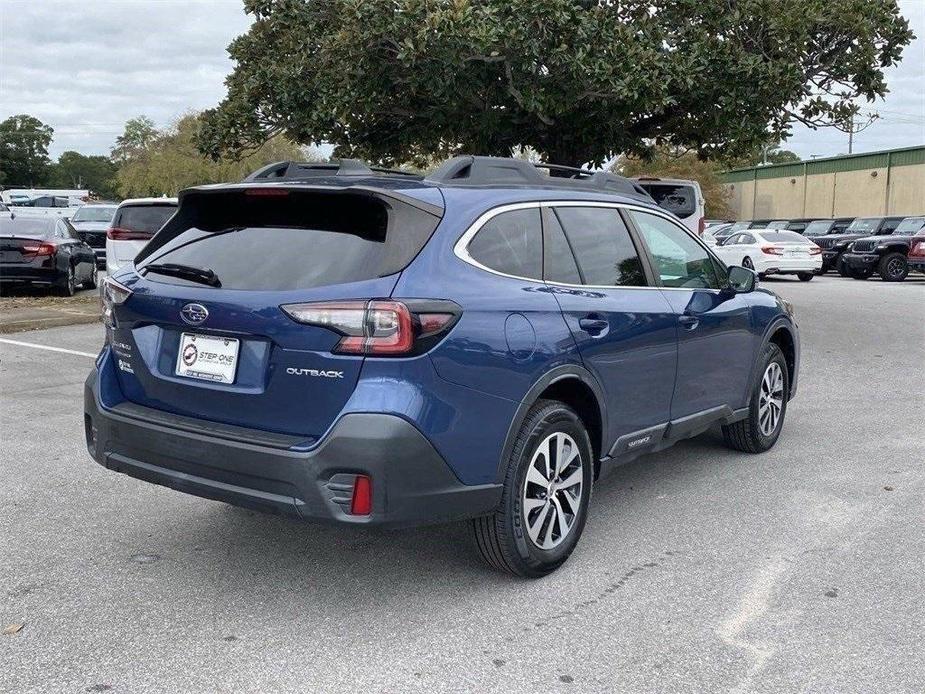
x,y
578,80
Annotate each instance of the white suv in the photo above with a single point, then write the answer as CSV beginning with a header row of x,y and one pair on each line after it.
x,y
681,197
133,225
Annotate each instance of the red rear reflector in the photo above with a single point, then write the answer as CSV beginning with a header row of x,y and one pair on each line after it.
x,y
117,234
362,502
266,192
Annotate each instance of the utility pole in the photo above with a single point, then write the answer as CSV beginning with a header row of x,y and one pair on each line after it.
x,y
851,134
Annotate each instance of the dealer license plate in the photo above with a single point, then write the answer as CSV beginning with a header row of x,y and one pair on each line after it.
x,y
208,358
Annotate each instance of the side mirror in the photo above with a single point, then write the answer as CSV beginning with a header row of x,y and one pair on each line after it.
x,y
742,280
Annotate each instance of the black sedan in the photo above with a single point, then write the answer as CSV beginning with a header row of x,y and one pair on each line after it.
x,y
45,251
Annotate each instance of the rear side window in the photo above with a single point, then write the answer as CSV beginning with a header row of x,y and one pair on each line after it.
x,y
679,200
558,260
602,245
144,218
511,243
293,241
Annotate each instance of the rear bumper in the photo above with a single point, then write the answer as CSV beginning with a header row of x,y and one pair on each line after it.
x,y
19,273
861,262
411,483
788,266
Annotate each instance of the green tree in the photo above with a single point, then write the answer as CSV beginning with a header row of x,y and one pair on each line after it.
x,y
577,80
137,136
24,144
171,162
665,162
766,154
74,170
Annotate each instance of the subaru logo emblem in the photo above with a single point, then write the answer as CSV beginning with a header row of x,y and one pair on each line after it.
x,y
194,314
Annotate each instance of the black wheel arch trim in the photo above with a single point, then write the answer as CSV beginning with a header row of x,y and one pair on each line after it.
x,y
555,375
773,327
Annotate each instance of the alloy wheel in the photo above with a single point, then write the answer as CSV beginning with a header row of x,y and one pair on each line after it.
x,y
771,399
551,496
895,268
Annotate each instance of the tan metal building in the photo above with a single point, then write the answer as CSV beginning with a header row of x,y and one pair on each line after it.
x,y
891,182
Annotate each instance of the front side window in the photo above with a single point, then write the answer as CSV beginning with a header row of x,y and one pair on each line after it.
x,y
679,260
511,243
603,247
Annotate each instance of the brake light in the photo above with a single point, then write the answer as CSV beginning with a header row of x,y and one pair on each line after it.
x,y
119,234
815,250
918,249
772,250
39,248
379,328
266,192
362,502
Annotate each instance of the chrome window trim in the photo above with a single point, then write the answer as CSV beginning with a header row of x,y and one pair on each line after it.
x,y
461,248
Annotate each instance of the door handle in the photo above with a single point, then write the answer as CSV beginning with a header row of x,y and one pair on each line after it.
x,y
688,322
594,326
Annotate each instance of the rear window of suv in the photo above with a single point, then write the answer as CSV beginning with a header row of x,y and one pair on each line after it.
x,y
144,218
299,241
679,200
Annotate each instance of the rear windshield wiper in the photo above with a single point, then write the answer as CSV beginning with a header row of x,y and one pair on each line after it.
x,y
186,272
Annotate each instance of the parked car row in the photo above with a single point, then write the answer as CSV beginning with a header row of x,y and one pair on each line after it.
x,y
852,246
59,253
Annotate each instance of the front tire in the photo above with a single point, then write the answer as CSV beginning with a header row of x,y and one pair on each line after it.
x,y
547,490
893,267
759,431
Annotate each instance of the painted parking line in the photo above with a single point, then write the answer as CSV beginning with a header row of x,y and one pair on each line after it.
x,y
19,343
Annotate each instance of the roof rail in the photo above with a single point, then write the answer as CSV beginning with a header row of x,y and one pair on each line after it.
x,y
295,171
502,171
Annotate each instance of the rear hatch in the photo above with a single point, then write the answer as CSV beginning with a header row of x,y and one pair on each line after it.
x,y
137,222
216,345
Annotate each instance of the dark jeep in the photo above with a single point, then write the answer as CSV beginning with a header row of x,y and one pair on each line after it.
x,y
885,255
834,245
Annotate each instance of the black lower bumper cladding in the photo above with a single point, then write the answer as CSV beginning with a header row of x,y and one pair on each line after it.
x,y
411,483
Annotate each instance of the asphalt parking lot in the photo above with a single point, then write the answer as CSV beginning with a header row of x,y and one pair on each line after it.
x,y
701,569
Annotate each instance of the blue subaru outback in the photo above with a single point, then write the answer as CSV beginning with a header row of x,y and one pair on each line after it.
x,y
342,344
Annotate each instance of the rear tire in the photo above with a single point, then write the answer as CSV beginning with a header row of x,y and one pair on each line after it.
x,y
93,279
893,267
543,506
70,283
805,276
759,431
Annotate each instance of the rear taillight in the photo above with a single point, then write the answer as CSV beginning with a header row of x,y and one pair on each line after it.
x,y
772,250
111,294
119,234
918,249
815,250
379,328
39,249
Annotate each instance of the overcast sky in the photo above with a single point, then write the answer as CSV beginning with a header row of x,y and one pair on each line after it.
x,y
85,67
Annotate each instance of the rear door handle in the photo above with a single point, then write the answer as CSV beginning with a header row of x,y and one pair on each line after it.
x,y
688,322
595,327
